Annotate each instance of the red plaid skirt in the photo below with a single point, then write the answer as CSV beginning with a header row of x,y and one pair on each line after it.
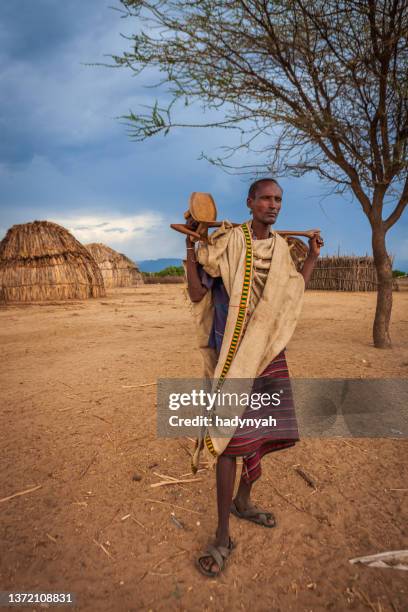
x,y
285,434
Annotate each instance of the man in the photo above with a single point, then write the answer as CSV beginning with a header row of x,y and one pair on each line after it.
x,y
247,296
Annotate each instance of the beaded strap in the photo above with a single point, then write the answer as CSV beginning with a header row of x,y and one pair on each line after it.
x,y
239,323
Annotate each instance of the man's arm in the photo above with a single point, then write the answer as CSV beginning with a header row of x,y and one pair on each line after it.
x,y
196,289
315,244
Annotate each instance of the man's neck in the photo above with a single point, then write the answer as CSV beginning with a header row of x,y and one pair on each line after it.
x,y
261,230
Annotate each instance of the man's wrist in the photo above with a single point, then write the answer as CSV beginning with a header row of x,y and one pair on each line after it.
x,y
191,256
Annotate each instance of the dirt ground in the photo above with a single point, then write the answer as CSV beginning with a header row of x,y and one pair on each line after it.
x,y
75,423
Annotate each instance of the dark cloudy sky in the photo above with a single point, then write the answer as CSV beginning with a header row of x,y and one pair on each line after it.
x,y
65,157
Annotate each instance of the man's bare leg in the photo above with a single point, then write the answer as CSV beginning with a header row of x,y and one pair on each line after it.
x,y
226,468
242,499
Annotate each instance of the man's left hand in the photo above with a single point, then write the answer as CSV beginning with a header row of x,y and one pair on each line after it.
x,y
315,244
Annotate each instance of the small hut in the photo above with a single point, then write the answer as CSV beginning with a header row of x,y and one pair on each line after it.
x,y
42,261
117,269
402,283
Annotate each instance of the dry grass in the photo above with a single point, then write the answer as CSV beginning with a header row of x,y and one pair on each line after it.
x,y
42,261
117,269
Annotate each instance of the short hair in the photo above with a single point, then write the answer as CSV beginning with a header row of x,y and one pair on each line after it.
x,y
256,184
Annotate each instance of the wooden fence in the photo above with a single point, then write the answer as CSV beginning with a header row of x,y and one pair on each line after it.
x,y
346,273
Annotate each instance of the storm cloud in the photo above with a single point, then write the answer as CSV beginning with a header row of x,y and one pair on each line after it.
x,y
65,155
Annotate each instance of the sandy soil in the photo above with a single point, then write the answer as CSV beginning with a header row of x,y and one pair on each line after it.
x,y
70,424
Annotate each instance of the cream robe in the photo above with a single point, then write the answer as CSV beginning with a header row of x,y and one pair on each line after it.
x,y
272,322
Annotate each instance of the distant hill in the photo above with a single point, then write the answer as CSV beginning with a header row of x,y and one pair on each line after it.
x,y
156,265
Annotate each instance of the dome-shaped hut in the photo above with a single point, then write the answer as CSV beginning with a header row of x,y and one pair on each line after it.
x,y
117,269
42,261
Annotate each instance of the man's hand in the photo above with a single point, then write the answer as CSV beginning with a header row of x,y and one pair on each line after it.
x,y
196,289
191,224
315,244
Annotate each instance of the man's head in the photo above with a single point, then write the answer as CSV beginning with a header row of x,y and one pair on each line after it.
x,y
265,200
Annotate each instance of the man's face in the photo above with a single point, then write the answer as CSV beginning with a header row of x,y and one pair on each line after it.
x,y
267,203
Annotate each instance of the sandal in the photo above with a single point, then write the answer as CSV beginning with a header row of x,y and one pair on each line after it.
x,y
219,554
255,515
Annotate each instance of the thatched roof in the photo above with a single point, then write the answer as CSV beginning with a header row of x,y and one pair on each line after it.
x,y
117,269
42,261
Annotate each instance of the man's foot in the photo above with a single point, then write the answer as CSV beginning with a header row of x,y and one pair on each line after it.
x,y
249,512
212,562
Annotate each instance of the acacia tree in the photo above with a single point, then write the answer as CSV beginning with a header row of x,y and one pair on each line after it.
x,y
322,82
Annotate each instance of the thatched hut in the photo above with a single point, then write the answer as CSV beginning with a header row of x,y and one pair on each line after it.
x,y
42,261
345,273
402,283
117,269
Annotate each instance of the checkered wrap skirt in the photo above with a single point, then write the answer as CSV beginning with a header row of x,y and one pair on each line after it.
x,y
253,447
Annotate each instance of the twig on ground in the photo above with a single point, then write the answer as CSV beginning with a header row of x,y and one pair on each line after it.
x,y
138,522
157,501
396,559
109,522
198,471
50,537
129,442
89,465
306,477
175,520
30,490
103,548
62,383
78,399
165,483
100,418
167,477
321,519
354,446
138,386
69,408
